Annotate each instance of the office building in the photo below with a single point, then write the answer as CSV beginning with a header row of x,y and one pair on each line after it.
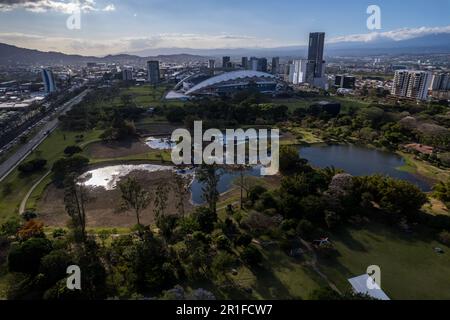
x,y
153,73
345,81
49,81
411,84
226,62
212,64
275,65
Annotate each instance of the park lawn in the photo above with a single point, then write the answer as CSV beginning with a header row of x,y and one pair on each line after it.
x,y
148,96
51,149
410,268
304,135
423,169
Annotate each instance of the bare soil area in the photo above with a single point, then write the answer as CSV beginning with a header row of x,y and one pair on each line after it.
x,y
104,208
116,149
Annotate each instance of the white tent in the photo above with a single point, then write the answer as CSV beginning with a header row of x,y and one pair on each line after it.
x,y
365,285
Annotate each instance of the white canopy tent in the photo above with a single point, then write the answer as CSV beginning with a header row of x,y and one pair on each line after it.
x,y
360,285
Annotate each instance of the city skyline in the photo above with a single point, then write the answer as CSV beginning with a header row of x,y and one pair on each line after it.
x,y
109,27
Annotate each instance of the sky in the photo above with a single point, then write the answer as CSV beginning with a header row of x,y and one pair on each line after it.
x,y
119,26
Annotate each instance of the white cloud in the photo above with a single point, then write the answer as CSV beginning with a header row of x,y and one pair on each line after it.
x,y
63,6
109,7
396,35
134,44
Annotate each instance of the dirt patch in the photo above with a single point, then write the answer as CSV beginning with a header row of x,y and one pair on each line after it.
x,y
104,207
116,149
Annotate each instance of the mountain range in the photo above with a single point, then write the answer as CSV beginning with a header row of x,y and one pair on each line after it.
x,y
430,44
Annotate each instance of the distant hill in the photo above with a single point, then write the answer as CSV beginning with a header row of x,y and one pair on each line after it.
x,y
11,55
435,43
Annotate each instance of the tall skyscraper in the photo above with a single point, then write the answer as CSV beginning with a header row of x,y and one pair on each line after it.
x,y
226,62
275,65
262,64
411,84
49,81
153,73
316,65
211,64
244,62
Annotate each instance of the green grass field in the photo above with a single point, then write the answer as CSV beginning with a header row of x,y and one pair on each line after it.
x,y
410,268
51,149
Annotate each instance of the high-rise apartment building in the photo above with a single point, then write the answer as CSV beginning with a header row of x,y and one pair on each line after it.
x,y
153,73
411,84
440,82
127,74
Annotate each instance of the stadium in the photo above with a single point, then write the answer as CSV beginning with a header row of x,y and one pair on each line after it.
x,y
224,84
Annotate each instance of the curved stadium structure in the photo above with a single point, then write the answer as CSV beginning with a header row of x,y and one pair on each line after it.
x,y
231,82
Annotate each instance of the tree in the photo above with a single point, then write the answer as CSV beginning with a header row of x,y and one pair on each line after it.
x,y
65,167
209,176
31,229
32,166
134,197
290,160
161,197
75,199
442,192
71,150
181,188
251,255
245,183
26,257
206,219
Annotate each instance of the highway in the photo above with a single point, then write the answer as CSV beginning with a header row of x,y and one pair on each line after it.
x,y
13,161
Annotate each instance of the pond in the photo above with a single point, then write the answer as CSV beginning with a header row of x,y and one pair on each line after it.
x,y
361,161
108,177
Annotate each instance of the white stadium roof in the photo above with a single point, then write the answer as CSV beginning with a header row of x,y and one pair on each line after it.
x,y
228,76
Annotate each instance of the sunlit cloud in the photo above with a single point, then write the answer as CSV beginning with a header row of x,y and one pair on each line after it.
x,y
396,35
62,6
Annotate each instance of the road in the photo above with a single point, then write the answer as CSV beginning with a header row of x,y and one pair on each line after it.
x,y
13,161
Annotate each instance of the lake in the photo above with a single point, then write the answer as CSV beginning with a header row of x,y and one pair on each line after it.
x,y
361,161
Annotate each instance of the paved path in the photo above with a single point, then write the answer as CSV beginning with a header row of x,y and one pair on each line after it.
x,y
12,162
23,204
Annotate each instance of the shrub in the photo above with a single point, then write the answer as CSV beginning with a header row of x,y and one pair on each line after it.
x,y
32,166
251,256
444,237
71,150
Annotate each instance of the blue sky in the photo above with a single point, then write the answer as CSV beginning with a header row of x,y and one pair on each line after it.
x,y
109,26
